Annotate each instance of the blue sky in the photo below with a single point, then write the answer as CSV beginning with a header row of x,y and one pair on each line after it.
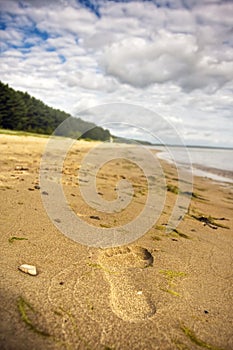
x,y
174,57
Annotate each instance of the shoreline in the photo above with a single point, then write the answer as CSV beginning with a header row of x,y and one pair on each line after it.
x,y
216,174
221,173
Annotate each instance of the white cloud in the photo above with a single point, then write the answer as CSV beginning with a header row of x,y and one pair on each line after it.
x,y
176,61
169,57
91,80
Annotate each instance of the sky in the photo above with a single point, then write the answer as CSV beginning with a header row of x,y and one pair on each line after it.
x,y
171,60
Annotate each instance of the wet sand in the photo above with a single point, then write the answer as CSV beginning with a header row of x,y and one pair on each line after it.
x,y
226,175
163,291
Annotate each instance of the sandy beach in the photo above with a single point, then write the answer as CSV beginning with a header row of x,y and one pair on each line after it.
x,y
163,291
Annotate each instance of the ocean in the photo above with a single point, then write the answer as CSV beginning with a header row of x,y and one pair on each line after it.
x,y
214,163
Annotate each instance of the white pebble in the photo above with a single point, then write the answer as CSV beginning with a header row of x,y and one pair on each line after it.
x,y
29,269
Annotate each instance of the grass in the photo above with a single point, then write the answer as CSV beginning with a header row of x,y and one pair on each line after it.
x,y
21,133
192,336
12,239
23,306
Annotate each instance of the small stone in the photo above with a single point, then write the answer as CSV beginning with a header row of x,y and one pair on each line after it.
x,y
95,217
45,193
29,269
139,292
37,187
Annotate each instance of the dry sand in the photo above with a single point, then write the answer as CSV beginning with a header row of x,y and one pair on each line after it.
x,y
164,291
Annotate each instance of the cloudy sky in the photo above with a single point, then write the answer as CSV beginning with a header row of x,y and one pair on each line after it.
x,y
174,57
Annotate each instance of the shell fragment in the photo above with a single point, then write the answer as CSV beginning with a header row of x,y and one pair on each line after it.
x,y
29,269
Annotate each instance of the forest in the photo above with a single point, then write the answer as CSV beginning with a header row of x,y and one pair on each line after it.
x,y
20,111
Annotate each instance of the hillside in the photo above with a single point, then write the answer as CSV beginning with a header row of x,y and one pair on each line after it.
x,y
20,111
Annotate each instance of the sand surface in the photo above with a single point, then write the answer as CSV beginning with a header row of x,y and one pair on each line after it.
x,y
163,291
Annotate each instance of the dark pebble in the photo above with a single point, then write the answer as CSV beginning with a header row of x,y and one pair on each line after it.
x,y
45,193
94,217
37,187
206,312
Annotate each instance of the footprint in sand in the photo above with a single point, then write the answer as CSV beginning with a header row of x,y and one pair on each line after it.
x,y
128,301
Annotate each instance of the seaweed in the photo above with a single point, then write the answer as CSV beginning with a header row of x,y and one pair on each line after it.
x,y
174,231
14,238
95,265
105,226
74,324
22,306
58,313
160,227
194,195
173,189
172,292
156,238
98,266
192,336
210,221
170,275
180,234
180,345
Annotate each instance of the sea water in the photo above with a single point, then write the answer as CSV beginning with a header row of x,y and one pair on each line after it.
x,y
215,163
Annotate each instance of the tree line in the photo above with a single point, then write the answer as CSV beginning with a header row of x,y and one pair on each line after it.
x,y
20,111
